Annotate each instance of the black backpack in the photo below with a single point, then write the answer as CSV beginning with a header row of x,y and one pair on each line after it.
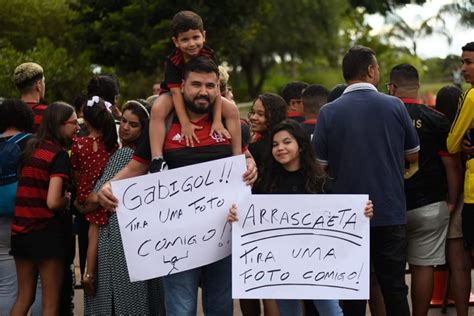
x,y
10,154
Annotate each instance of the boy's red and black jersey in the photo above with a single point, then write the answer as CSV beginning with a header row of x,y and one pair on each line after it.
x,y
174,68
177,154
31,210
38,110
428,185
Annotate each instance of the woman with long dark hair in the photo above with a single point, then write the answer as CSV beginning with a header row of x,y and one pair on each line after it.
x,y
267,110
289,167
39,241
115,293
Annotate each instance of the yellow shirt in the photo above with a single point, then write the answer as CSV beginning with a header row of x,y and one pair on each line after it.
x,y
463,122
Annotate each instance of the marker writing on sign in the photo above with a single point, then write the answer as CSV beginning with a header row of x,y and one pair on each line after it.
x,y
342,219
255,279
175,260
147,246
135,195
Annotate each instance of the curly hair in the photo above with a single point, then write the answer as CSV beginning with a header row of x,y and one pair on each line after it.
x,y
275,109
105,86
293,90
272,172
15,113
26,75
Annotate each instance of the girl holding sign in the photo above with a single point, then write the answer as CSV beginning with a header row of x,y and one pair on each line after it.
x,y
290,168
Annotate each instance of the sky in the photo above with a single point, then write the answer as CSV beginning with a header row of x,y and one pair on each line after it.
x,y
435,45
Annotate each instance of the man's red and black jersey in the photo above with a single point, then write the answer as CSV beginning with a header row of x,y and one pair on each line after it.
x,y
177,154
174,68
38,110
428,185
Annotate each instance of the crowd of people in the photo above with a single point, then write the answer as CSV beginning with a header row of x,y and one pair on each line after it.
x,y
57,162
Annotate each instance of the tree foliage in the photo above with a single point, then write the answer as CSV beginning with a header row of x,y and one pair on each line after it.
x,y
22,22
65,75
285,39
40,31
135,36
464,9
382,6
402,31
130,35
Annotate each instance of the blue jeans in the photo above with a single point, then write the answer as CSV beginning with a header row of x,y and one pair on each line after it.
x,y
215,279
324,307
328,307
289,307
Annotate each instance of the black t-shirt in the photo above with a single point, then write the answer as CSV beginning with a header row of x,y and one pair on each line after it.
x,y
428,185
291,182
259,148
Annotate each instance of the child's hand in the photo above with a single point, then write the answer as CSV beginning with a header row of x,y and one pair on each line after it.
x,y
187,133
369,209
218,127
232,217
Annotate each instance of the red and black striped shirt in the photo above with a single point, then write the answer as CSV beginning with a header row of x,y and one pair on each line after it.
x,y
31,210
38,110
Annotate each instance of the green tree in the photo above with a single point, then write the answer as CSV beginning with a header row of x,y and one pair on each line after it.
x,y
135,36
65,75
22,22
464,9
128,35
382,6
39,31
401,30
287,31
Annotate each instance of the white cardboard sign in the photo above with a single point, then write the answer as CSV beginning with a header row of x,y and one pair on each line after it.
x,y
301,247
175,220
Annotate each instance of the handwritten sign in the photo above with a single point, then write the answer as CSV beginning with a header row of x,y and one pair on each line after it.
x,y
175,220
301,247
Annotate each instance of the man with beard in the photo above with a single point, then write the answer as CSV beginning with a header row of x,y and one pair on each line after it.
x,y
199,88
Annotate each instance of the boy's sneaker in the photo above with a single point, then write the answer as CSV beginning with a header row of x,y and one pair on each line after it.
x,y
158,165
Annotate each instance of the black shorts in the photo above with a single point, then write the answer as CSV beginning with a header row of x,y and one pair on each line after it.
x,y
47,243
468,225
